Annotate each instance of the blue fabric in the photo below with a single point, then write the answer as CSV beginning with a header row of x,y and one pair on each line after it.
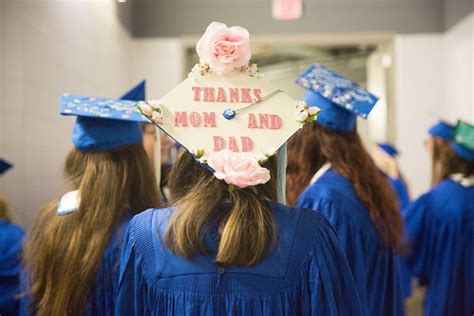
x,y
376,270
4,166
103,123
102,294
11,243
306,273
331,116
136,93
463,152
331,90
439,229
401,189
389,149
442,130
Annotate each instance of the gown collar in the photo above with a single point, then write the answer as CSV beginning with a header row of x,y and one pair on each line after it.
x,y
320,172
462,180
69,203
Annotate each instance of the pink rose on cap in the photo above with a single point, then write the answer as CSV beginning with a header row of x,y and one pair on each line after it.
x,y
224,48
239,169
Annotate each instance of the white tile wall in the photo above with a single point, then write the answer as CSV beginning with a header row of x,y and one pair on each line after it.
x,y
49,47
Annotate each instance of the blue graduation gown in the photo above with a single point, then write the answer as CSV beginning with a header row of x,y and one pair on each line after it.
x,y
376,270
102,293
11,243
439,229
400,188
305,274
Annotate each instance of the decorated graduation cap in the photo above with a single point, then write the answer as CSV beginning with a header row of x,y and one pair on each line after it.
x,y
4,166
340,99
104,123
442,129
463,140
225,113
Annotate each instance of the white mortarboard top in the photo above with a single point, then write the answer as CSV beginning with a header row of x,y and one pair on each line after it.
x,y
225,113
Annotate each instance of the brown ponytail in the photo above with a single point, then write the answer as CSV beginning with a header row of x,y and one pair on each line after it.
x,y
314,144
246,224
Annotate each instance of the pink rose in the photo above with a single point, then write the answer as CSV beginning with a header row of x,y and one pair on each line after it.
x,y
239,169
313,110
224,48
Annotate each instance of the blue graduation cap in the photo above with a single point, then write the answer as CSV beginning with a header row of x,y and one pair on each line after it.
x,y
442,129
104,123
4,166
389,149
463,140
340,99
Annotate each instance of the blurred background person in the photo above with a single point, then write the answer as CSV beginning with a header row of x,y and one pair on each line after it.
x,y
329,171
71,256
439,137
440,229
385,158
11,243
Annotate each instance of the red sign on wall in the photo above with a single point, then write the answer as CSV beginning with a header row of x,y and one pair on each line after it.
x,y
287,9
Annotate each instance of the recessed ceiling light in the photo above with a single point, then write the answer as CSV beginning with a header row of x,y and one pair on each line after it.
x,y
121,1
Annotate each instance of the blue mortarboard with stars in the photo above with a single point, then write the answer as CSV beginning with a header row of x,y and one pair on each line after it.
x,y
4,166
442,129
463,140
389,149
340,100
104,123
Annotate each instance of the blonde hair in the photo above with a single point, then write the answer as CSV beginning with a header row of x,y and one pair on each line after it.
x,y
63,253
247,226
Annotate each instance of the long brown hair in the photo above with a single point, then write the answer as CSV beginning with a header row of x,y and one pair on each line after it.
x,y
446,162
247,227
63,253
314,145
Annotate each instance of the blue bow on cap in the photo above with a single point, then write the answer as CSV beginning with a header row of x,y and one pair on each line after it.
x,y
389,149
4,166
104,123
442,130
340,100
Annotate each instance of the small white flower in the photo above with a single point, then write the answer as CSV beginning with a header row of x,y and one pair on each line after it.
x,y
156,117
301,105
155,105
145,108
302,116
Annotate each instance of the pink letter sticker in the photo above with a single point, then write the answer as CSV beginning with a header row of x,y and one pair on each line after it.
x,y
219,143
247,143
252,121
197,93
209,119
195,119
181,118
276,121
209,94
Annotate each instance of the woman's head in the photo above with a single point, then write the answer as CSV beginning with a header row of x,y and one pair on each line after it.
x,y
315,144
446,162
246,223
113,184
